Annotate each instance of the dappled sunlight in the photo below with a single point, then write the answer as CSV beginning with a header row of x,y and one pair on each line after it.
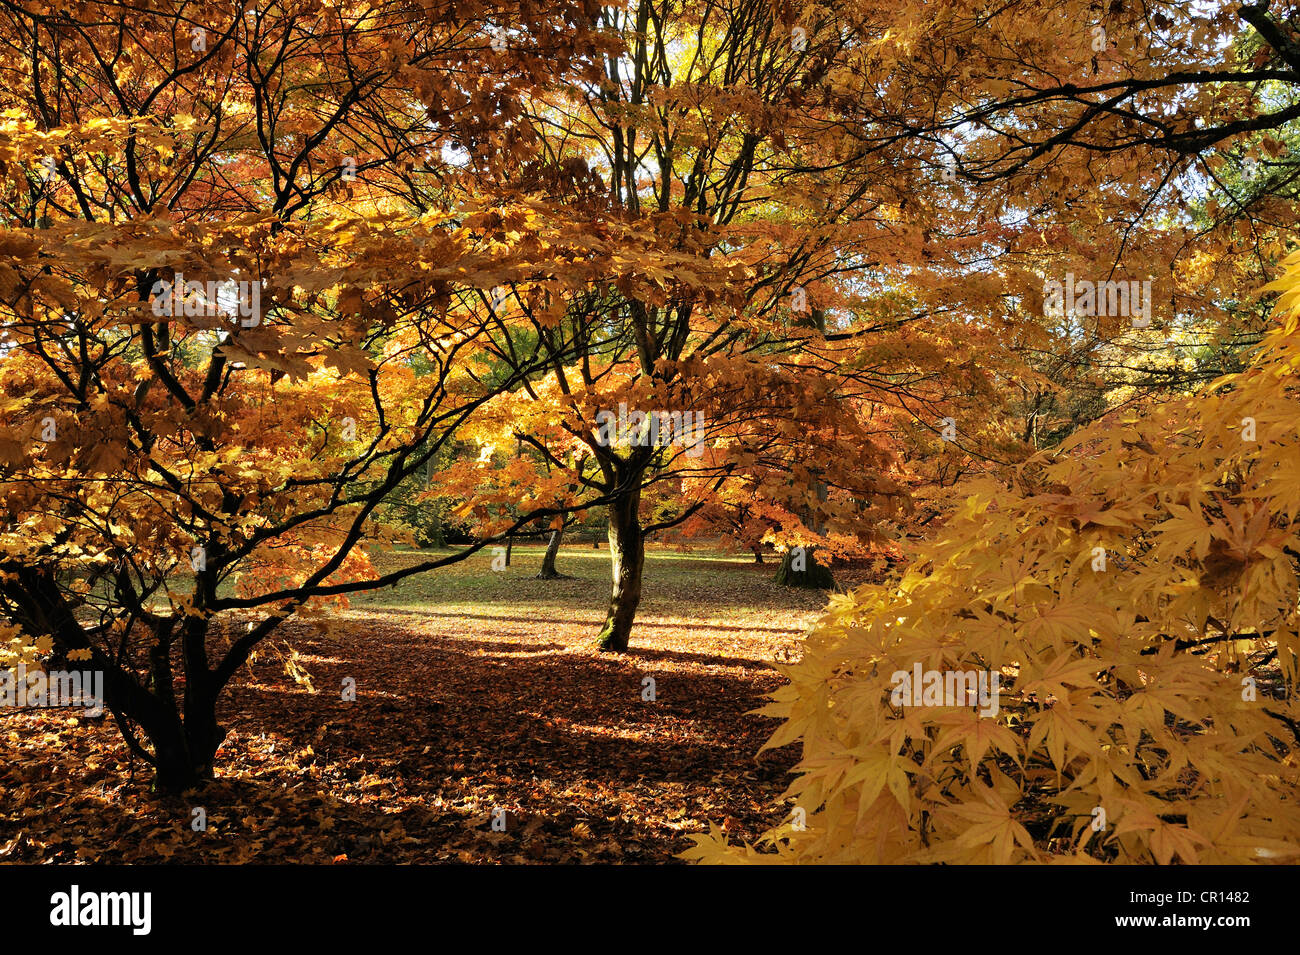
x,y
437,740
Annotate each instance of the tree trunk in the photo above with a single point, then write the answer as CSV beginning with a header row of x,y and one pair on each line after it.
x,y
510,545
758,554
808,574
799,567
184,754
185,746
627,560
548,571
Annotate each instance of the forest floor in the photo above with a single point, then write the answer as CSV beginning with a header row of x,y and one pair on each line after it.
x,y
478,697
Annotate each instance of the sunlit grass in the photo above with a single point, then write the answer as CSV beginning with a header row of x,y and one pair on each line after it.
x,y
705,585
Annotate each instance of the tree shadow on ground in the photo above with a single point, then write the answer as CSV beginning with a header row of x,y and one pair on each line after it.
x,y
564,746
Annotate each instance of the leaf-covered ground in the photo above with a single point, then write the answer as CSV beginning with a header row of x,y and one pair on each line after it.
x,y
476,691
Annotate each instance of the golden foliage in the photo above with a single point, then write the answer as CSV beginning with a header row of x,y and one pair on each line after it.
x,y
1136,593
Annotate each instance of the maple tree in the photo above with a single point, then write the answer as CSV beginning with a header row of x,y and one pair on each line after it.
x,y
710,138
281,283
221,349
1135,588
1137,592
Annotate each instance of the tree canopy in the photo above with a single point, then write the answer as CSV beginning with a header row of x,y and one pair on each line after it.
x,y
999,300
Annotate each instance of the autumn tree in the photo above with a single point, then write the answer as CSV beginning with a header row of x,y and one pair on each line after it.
x,y
221,346
1133,590
1104,141
713,136
1131,604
